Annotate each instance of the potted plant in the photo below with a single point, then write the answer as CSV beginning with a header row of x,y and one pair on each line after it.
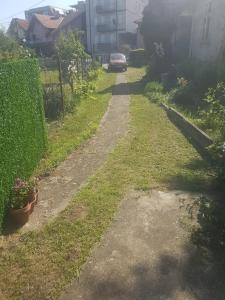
x,y
23,198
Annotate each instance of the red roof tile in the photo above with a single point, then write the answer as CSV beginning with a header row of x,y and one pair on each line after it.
x,y
49,21
22,23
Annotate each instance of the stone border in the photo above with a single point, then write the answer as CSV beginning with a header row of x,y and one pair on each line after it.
x,y
200,138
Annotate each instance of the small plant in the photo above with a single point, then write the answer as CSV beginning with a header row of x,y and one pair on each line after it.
x,y
154,86
21,192
154,91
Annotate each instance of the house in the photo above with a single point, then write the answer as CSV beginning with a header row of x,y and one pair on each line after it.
x,y
75,20
111,24
208,30
45,10
18,29
40,32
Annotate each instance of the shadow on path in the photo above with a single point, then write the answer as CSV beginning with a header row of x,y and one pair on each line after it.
x,y
189,278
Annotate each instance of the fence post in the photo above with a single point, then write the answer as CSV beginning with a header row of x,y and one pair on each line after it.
x,y
61,84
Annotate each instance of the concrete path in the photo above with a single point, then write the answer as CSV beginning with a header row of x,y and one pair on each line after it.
x,y
56,191
146,255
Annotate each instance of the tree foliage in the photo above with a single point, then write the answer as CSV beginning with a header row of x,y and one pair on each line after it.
x,y
69,47
10,49
71,54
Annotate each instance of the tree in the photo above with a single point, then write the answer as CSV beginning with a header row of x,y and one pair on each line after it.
x,y
71,52
10,49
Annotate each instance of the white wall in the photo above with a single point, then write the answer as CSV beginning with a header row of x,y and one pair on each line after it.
x,y
129,11
208,30
134,12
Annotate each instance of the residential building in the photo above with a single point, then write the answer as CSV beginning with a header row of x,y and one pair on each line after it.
x,y
18,29
40,32
111,24
45,10
208,30
140,39
75,20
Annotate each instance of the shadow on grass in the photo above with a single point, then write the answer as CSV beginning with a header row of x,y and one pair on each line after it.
x,y
185,276
134,88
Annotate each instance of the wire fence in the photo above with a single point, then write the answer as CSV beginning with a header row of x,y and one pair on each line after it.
x,y
59,78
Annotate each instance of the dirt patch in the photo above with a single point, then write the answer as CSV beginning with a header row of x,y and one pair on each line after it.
x,y
147,254
78,214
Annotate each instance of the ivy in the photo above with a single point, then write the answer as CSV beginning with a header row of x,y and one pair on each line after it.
x,y
22,126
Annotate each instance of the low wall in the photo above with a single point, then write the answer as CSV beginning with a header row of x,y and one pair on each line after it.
x,y
200,138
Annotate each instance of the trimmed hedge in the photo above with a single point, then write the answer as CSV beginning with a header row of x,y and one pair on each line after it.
x,y
138,57
22,125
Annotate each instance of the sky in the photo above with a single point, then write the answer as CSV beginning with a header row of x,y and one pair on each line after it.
x,y
15,8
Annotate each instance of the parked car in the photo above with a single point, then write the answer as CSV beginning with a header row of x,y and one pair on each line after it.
x,y
117,62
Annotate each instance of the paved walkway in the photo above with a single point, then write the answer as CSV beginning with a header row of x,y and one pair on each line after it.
x,y
56,191
147,255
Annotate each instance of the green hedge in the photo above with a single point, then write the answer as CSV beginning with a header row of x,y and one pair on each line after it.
x,y
138,57
22,125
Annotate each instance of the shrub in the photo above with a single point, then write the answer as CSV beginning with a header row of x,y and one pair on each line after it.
x,y
214,113
22,127
154,91
210,234
11,50
53,102
137,57
184,94
154,86
202,75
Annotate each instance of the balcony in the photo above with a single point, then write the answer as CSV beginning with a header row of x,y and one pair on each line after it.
x,y
106,28
102,9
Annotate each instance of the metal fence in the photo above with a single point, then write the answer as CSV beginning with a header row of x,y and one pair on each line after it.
x,y
58,83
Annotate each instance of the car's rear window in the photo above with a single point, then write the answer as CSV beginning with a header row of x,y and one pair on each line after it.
x,y
117,56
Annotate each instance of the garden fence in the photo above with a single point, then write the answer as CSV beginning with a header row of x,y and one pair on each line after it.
x,y
59,78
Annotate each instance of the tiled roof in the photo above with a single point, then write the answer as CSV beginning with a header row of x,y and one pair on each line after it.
x,y
69,18
22,23
49,22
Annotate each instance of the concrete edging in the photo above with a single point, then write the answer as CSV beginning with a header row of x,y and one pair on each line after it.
x,y
194,133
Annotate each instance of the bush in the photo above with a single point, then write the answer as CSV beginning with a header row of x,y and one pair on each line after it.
x,y
154,91
22,126
53,102
154,86
202,75
184,95
214,113
137,58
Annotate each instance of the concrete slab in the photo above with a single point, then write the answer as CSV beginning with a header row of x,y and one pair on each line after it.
x,y
146,255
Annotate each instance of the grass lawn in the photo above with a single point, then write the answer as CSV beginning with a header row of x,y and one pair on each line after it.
x,y
153,155
68,134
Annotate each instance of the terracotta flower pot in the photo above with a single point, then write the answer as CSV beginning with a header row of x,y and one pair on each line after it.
x,y
21,216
